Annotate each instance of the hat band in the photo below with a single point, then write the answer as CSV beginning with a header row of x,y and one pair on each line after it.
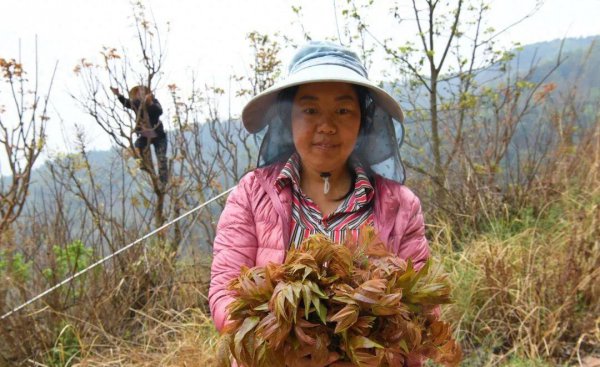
x,y
330,60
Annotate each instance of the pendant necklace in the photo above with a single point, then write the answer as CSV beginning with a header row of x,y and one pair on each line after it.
x,y
325,176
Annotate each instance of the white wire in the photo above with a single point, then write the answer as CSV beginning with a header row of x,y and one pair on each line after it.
x,y
69,279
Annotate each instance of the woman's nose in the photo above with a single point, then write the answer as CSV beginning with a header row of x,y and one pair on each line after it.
x,y
326,124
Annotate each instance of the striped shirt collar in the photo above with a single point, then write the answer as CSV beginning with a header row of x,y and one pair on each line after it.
x,y
290,175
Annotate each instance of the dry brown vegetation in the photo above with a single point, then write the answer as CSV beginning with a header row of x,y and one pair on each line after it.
x,y
529,285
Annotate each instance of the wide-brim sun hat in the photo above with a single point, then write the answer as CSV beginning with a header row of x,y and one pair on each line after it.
x,y
382,131
316,62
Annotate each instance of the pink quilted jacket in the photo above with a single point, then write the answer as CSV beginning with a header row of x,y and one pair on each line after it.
x,y
254,229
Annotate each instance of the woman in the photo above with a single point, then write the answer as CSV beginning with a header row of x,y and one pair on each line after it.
x,y
330,141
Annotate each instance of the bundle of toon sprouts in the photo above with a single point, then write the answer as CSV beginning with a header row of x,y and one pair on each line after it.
x,y
354,303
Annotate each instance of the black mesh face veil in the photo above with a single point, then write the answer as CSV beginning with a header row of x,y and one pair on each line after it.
x,y
377,146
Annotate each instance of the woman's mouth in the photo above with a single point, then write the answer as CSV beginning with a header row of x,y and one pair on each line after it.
x,y
326,146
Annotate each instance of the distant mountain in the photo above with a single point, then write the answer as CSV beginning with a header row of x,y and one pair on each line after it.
x,y
579,59
548,51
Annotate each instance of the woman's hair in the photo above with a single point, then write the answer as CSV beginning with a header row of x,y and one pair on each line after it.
x,y
134,92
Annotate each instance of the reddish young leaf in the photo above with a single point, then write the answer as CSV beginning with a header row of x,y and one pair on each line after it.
x,y
345,318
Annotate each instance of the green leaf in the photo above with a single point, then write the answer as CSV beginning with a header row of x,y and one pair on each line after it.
x,y
264,307
249,324
403,345
345,318
280,306
431,294
362,342
322,312
307,272
407,280
288,291
316,301
297,288
306,295
315,288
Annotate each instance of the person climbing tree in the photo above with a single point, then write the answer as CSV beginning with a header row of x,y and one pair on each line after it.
x,y
149,129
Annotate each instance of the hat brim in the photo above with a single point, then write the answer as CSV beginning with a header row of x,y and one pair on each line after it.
x,y
253,114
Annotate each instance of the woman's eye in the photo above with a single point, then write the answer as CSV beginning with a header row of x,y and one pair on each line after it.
x,y
310,110
343,111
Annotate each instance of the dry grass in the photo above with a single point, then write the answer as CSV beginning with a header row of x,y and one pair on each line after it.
x,y
151,314
528,287
168,338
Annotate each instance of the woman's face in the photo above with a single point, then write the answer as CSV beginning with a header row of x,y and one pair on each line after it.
x,y
325,125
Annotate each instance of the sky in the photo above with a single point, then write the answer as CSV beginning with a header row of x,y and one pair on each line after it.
x,y
209,39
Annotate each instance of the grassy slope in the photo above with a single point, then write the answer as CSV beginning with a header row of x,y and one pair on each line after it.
x,y
526,293
526,289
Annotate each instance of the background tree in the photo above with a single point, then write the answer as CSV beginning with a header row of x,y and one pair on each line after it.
x,y
143,68
214,151
22,138
464,96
